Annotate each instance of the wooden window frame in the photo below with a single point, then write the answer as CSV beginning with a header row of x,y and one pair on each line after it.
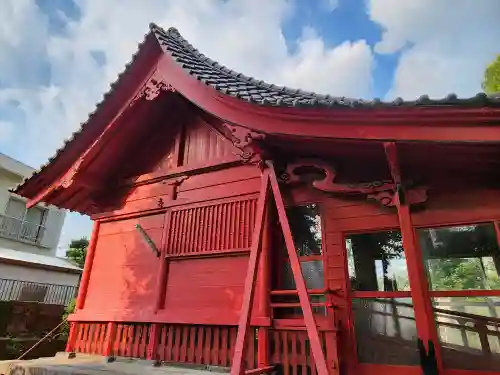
x,y
446,221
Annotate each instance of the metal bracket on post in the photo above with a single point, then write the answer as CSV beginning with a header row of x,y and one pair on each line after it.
x,y
148,240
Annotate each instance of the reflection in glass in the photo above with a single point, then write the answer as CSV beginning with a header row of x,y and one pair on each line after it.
x,y
305,224
461,258
469,332
385,331
376,262
313,273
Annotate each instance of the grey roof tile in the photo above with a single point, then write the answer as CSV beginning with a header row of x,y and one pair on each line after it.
x,y
237,84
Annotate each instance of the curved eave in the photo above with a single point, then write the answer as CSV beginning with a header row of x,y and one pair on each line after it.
x,y
433,123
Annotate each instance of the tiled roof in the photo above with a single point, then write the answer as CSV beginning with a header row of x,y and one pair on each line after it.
x,y
235,84
22,256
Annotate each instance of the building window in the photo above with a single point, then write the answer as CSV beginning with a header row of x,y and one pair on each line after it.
x,y
18,222
462,265
382,307
33,293
305,224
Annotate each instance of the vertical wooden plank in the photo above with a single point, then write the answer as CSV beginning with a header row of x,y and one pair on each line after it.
x,y
293,358
199,229
199,345
136,339
183,232
184,345
223,347
218,226
238,224
169,353
303,353
87,337
192,343
204,229
71,344
210,227
177,343
309,320
188,231
216,346
78,341
87,268
208,346
232,342
225,220
286,357
154,341
110,339
162,343
237,367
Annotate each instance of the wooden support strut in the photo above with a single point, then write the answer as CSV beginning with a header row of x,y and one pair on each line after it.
x,y
310,322
87,268
413,254
269,179
237,367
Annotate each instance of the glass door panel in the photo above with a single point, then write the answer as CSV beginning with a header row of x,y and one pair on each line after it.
x,y
384,319
462,265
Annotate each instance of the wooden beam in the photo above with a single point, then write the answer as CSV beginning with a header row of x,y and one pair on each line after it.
x,y
414,259
264,295
87,268
237,367
310,322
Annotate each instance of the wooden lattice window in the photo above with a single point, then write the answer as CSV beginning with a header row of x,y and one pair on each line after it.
x,y
210,228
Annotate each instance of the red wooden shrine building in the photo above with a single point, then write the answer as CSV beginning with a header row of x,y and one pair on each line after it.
x,y
241,224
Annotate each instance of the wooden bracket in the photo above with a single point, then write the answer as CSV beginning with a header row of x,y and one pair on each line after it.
x,y
148,240
244,139
382,191
152,88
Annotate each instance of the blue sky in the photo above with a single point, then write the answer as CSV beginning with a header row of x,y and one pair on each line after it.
x,y
57,57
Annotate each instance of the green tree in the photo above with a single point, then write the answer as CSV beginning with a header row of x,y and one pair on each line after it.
x,y
491,82
78,251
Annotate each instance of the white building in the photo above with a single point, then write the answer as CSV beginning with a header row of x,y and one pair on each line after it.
x,y
29,267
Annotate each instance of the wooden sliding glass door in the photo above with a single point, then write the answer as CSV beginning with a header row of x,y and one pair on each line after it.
x,y
462,267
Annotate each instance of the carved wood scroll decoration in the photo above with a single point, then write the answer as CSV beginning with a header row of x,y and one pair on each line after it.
x,y
152,88
381,191
244,139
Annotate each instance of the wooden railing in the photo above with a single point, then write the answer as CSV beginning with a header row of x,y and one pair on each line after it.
x,y
18,290
198,344
485,329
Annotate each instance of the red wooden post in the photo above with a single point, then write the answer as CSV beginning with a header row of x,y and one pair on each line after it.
x,y
264,290
87,268
161,286
237,367
70,345
109,341
305,303
154,338
414,260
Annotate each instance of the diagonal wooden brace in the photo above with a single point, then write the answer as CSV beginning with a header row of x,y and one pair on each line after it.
x,y
305,303
237,367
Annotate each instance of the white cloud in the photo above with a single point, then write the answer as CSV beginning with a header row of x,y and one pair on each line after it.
x,y
245,35
445,44
331,5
